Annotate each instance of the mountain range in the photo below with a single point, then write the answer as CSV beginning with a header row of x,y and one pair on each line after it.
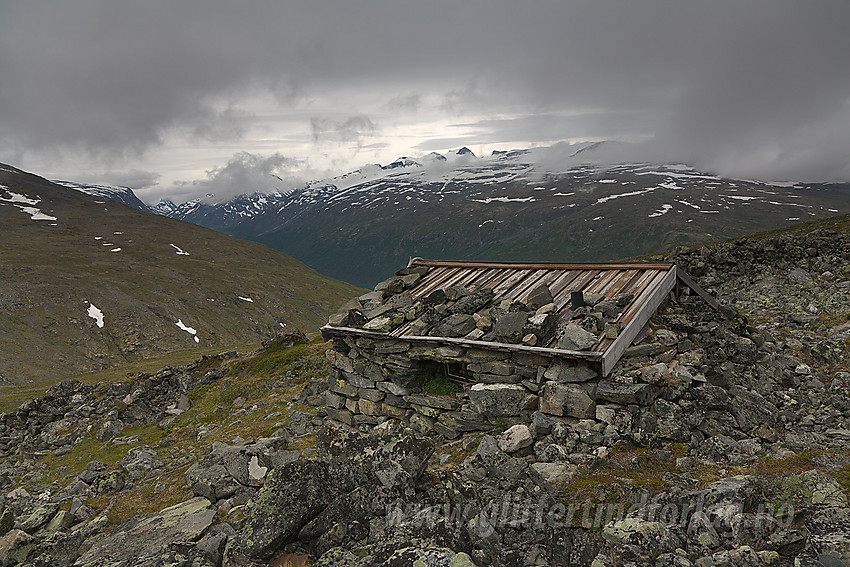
x,y
87,283
551,204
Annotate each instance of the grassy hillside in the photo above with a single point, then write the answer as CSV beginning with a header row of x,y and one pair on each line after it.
x,y
144,273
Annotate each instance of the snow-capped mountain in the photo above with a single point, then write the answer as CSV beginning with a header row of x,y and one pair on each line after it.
x,y
560,203
117,193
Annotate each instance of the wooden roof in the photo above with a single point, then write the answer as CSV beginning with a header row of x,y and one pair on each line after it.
x,y
648,282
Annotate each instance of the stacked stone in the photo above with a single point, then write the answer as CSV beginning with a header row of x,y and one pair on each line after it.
x,y
457,312
376,379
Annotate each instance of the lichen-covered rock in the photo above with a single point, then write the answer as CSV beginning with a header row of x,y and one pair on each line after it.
x,y
573,337
571,400
410,451
227,470
291,497
140,461
498,400
14,547
515,438
818,488
143,539
37,518
641,539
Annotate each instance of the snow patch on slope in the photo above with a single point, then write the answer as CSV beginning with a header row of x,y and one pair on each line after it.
x,y
180,251
189,330
665,208
95,314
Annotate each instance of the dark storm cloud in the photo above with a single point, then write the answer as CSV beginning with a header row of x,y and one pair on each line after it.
x,y
215,126
759,86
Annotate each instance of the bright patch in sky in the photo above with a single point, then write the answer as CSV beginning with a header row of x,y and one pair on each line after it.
x,y
180,251
96,314
189,330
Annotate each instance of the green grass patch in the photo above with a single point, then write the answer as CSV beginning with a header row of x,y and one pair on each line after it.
x,y
441,386
90,448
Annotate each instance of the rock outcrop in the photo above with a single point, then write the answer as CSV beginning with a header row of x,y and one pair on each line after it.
x,y
738,419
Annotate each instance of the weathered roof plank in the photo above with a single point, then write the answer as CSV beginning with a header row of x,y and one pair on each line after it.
x,y
648,282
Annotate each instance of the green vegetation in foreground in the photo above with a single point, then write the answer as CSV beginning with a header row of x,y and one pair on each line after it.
x,y
642,470
256,396
441,386
253,399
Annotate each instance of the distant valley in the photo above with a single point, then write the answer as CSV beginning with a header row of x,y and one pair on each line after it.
x,y
521,205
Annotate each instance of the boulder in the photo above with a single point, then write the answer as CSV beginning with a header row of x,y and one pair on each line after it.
x,y
13,547
571,400
109,482
37,518
146,537
410,451
641,538
619,393
291,497
498,400
515,438
227,470
139,461
555,473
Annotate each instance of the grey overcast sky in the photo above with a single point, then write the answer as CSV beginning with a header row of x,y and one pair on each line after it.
x,y
179,97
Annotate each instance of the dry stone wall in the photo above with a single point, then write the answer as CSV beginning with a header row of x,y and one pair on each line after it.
x,y
374,379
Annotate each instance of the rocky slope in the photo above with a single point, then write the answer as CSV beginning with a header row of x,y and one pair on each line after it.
x,y
726,445
87,283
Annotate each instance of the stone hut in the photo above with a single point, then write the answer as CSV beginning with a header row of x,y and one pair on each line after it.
x,y
515,337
